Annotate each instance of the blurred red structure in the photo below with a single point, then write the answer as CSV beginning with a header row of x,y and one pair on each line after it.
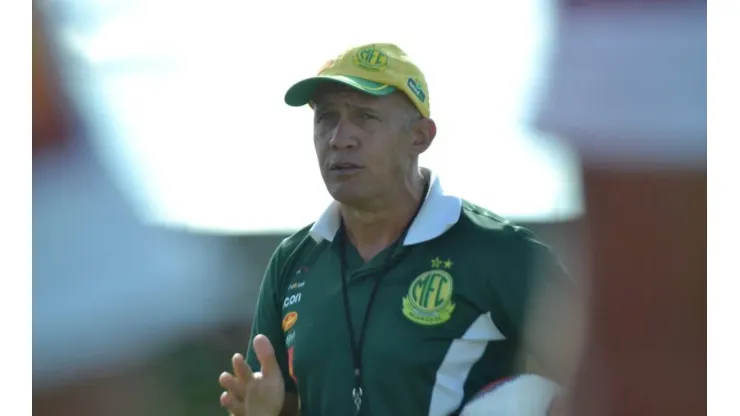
x,y
53,119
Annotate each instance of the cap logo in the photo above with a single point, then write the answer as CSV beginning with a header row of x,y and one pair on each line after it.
x,y
371,59
415,86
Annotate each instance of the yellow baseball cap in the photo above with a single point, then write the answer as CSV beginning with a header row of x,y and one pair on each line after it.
x,y
376,69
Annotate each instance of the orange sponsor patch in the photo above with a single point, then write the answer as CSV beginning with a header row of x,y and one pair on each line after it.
x,y
289,320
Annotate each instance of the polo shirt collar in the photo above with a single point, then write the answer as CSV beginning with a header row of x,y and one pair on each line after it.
x,y
439,212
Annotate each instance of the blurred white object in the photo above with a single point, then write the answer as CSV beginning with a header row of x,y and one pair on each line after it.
x,y
628,82
523,395
108,291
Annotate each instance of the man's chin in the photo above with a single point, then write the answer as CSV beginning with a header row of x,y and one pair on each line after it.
x,y
349,195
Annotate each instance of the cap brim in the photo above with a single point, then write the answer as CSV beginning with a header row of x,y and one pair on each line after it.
x,y
304,91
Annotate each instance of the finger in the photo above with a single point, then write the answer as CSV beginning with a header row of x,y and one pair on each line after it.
x,y
232,404
241,369
266,356
235,386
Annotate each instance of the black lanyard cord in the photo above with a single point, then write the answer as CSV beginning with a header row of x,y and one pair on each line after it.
x,y
356,347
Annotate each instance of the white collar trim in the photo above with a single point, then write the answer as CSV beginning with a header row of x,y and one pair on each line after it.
x,y
438,213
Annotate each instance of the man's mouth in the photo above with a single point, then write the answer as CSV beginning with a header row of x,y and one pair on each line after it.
x,y
344,167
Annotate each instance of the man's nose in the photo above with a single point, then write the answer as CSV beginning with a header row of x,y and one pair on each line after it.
x,y
344,135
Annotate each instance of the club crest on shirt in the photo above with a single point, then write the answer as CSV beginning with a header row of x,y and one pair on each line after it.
x,y
429,299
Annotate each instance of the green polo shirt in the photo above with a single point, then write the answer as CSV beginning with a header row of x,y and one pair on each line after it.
x,y
447,319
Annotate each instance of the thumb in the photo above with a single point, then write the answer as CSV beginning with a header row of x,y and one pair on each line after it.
x,y
266,356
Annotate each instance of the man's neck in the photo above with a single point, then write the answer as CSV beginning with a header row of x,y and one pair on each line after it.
x,y
373,230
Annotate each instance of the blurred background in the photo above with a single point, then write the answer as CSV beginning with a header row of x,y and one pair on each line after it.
x,y
167,169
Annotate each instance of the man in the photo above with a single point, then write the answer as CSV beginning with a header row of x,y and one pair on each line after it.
x,y
628,88
401,299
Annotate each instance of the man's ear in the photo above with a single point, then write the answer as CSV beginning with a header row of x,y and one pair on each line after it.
x,y
423,132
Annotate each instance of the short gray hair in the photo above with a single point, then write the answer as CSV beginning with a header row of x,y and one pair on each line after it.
x,y
411,114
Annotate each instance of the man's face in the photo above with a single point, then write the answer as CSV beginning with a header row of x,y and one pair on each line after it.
x,y
365,145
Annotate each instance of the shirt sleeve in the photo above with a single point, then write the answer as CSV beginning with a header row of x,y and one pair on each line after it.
x,y
527,267
268,320
534,292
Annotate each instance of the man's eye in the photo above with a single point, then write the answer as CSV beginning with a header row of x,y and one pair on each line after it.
x,y
368,116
